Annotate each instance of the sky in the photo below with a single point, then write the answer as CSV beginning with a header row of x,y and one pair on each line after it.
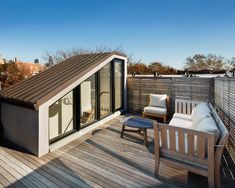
x,y
168,31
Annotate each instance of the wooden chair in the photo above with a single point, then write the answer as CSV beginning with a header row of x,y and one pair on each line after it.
x,y
155,115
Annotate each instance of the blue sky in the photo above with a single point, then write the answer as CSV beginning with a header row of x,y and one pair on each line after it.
x,y
165,30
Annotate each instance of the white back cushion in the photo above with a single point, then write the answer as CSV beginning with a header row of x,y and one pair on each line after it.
x,y
200,112
157,100
208,125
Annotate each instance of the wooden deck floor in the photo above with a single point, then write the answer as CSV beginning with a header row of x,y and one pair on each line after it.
x,y
102,159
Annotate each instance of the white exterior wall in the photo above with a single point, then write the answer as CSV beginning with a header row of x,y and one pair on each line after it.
x,y
43,130
20,126
44,112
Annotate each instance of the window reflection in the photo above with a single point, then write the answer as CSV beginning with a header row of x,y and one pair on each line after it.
x,y
105,90
88,100
61,116
118,73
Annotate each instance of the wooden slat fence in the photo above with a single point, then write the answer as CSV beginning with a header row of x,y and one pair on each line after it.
x,y
224,97
199,89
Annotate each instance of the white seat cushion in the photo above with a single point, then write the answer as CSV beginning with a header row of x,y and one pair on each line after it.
x,y
183,121
182,116
157,100
155,110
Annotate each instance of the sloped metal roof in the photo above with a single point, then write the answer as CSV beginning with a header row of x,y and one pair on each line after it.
x,y
38,89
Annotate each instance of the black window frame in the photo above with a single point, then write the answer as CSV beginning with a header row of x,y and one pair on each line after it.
x,y
122,84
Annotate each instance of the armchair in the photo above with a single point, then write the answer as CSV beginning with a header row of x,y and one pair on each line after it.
x,y
157,107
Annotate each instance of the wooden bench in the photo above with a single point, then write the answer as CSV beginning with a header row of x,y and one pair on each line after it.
x,y
207,158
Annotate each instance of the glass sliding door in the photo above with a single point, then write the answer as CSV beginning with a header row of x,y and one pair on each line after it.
x,y
61,117
88,101
118,84
105,90
94,99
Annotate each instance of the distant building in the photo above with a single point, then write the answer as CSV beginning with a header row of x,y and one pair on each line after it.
x,y
36,61
1,60
30,69
50,61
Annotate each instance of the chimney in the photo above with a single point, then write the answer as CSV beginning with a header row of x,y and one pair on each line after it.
x,y
36,61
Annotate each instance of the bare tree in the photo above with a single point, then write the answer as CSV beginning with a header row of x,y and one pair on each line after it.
x,y
159,68
231,63
61,55
202,62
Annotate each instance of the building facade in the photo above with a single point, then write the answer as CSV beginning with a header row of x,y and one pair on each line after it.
x,y
64,102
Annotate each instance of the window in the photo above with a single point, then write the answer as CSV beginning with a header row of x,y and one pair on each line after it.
x,y
61,116
105,90
88,101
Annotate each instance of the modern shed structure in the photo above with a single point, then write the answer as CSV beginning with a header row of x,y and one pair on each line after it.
x,y
64,102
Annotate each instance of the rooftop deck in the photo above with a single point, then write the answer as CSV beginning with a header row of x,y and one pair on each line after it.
x,y
101,159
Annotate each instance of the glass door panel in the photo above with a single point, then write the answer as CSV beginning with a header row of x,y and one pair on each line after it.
x,y
118,83
61,116
105,90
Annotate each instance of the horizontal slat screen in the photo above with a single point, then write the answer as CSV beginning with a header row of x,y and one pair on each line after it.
x,y
224,98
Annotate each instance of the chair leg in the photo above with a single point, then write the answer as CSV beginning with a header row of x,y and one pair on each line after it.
x,y
145,137
157,162
123,129
211,181
217,175
164,119
157,166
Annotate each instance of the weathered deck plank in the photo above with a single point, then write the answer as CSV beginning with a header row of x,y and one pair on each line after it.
x,y
102,159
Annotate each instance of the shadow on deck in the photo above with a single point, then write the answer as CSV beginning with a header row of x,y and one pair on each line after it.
x,y
101,159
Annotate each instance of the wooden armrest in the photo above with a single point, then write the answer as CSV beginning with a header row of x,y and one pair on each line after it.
x,y
183,143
